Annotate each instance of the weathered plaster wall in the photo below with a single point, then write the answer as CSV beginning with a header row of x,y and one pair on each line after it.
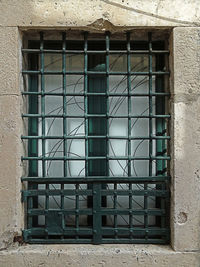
x,y
70,13
182,17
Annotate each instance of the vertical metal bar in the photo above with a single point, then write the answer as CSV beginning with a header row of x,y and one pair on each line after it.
x,y
129,102
77,212
64,122
98,147
42,102
129,127
33,131
64,101
150,129
86,100
43,118
107,96
160,144
115,207
89,219
97,218
104,200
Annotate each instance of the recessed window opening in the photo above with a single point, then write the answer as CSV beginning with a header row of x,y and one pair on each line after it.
x,y
97,139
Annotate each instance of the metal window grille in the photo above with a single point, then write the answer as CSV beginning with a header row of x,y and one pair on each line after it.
x,y
97,140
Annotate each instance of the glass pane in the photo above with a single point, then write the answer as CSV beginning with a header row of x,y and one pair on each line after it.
x,y
53,105
75,83
118,84
75,105
52,62
139,106
118,62
75,127
118,105
118,127
139,84
118,148
74,62
53,83
140,127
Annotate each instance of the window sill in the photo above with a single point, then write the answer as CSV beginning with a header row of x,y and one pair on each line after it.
x,y
102,255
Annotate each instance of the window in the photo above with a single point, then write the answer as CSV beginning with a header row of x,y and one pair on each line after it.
x,y
97,138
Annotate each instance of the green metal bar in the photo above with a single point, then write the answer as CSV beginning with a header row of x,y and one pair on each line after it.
x,y
150,129
138,179
115,208
64,122
107,99
33,131
93,116
104,192
161,144
97,147
42,101
97,137
129,134
96,158
64,101
85,97
89,199
129,102
97,218
105,230
56,51
94,93
89,241
94,73
97,214
77,212
43,119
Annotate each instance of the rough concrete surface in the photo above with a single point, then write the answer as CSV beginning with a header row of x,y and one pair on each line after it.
x,y
104,255
9,60
186,139
10,159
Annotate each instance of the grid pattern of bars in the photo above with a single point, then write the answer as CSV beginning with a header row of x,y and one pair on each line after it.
x,y
123,207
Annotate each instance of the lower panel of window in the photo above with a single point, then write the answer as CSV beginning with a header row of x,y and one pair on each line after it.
x,y
97,212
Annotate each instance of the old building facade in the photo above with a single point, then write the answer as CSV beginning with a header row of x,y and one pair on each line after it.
x,y
181,19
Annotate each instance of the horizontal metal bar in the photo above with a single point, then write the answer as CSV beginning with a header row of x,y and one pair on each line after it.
x,y
98,137
95,94
57,192
134,241
118,179
93,116
135,231
150,212
66,231
34,72
139,192
56,51
97,158
107,192
113,240
105,231
37,212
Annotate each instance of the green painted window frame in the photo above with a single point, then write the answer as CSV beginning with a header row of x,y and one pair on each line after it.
x,y
96,94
